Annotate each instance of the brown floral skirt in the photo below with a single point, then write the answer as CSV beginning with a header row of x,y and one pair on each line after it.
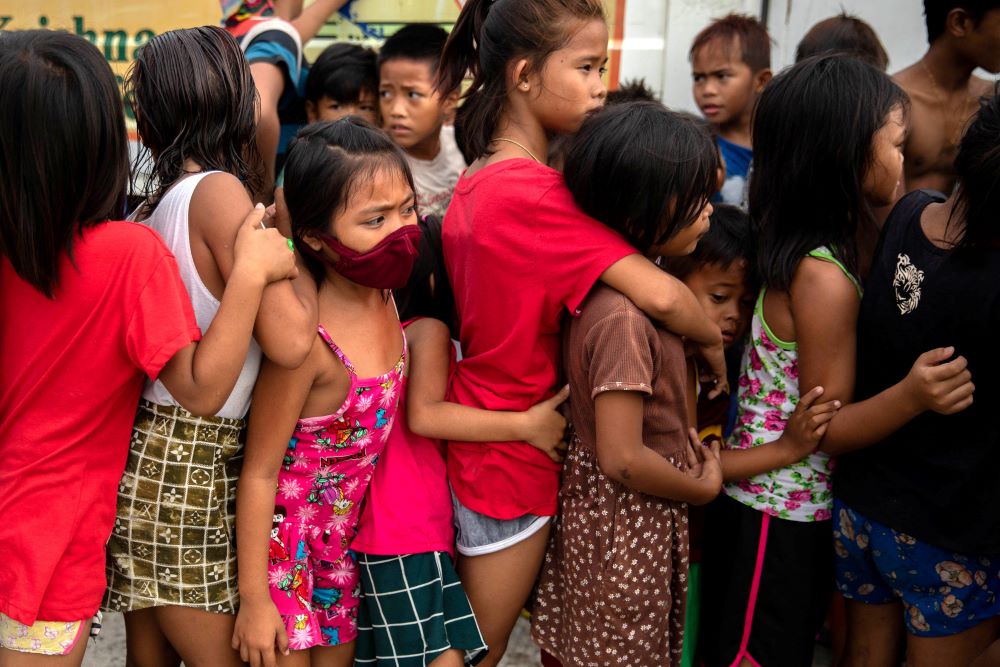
x,y
614,581
174,533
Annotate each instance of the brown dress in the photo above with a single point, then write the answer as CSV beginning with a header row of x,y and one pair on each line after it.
x,y
614,582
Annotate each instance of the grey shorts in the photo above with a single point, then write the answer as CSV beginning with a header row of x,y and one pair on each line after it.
x,y
477,534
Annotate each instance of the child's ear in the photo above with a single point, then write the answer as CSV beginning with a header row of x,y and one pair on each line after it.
x,y
958,23
448,106
312,241
311,111
761,78
519,72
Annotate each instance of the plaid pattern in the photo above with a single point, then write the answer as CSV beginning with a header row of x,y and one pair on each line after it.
x,y
172,542
413,609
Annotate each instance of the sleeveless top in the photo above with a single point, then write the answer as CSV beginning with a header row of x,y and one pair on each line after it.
x,y
768,393
330,460
170,221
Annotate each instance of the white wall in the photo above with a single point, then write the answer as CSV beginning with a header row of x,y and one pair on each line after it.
x,y
658,34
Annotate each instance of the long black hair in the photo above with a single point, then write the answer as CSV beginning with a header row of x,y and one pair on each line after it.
x,y
194,99
63,149
978,167
643,170
813,130
326,162
488,35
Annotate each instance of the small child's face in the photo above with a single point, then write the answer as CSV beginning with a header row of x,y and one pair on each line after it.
x,y
724,86
886,167
327,108
722,292
412,112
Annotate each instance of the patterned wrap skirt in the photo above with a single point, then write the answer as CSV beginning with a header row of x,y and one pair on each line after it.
x,y
173,541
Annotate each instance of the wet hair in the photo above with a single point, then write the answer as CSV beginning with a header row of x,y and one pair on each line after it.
x,y
727,240
844,34
737,29
978,167
813,129
63,149
632,90
423,42
936,13
487,37
642,170
342,72
194,99
326,163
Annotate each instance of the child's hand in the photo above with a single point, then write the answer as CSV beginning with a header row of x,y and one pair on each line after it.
x,y
713,372
807,425
705,465
545,427
263,251
259,631
940,385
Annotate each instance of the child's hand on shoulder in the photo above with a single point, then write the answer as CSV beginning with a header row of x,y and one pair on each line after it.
x,y
936,384
262,251
705,465
545,427
259,631
807,425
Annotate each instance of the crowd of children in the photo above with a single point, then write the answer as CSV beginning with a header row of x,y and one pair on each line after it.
x,y
473,360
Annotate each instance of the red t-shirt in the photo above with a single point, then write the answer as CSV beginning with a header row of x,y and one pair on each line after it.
x,y
519,253
72,371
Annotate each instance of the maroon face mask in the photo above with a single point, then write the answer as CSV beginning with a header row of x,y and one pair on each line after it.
x,y
386,266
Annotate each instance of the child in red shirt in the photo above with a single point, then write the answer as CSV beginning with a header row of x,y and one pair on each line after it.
x,y
519,253
89,308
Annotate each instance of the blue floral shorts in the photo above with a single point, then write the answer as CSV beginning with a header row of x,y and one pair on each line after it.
x,y
943,593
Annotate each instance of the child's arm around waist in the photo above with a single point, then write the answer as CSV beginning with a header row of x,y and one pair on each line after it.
x,y
623,456
278,399
430,415
202,375
824,307
286,322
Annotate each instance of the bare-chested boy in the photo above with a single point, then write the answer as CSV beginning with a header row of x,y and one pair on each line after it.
x,y
963,35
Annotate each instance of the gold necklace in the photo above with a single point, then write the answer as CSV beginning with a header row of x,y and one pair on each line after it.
x,y
955,115
521,146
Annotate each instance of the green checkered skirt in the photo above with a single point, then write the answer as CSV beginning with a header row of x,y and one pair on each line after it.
x,y
174,533
413,609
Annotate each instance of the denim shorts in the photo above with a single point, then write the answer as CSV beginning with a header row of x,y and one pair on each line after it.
x,y
943,592
477,534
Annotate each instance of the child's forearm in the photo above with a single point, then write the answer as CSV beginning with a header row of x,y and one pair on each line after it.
x,y
312,18
862,424
662,297
452,421
740,464
254,510
642,469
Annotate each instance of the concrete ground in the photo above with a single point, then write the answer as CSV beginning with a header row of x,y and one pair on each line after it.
x,y
109,649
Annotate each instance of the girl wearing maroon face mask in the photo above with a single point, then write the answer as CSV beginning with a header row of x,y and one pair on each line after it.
x,y
316,432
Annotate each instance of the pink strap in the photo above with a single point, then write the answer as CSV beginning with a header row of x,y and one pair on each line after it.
x,y
754,588
336,350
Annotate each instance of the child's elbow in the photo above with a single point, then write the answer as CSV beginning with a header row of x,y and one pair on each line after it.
x,y
203,406
617,466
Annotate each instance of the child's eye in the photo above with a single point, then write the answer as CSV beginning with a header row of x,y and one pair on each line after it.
x,y
409,210
718,298
414,95
603,71
385,94
375,222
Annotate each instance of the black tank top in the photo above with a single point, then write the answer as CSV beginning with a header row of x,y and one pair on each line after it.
x,y
934,479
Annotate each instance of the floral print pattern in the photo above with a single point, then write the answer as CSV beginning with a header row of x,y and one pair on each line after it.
x,y
313,577
768,393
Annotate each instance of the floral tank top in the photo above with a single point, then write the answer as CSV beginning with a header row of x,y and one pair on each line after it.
x,y
768,393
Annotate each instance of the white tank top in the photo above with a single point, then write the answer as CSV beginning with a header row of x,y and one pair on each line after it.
x,y
170,220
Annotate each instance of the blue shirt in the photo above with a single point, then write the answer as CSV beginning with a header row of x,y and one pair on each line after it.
x,y
737,159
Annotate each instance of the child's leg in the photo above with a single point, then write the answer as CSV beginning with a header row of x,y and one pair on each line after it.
x,y
954,650
146,645
341,655
11,658
874,632
498,585
450,658
202,638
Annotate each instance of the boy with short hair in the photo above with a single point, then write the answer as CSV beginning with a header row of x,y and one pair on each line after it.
x,y
343,82
730,65
944,95
414,113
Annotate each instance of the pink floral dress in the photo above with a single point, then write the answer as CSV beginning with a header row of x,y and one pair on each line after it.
x,y
768,393
329,462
